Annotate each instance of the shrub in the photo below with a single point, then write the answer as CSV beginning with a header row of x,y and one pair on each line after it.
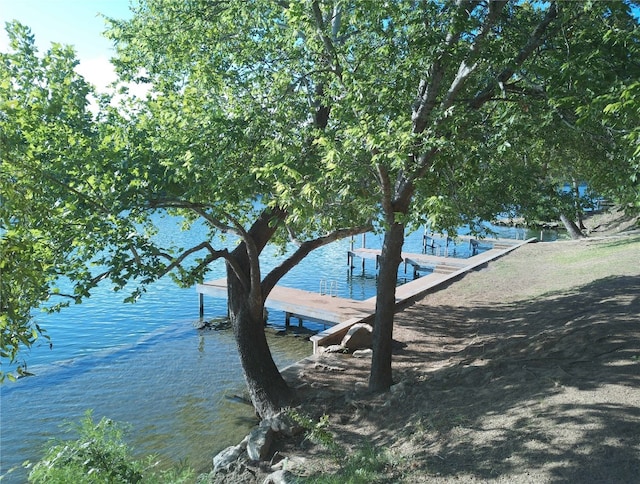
x,y
99,455
368,465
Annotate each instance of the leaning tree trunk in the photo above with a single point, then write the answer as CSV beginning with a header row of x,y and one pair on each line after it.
x,y
380,378
572,228
268,390
576,198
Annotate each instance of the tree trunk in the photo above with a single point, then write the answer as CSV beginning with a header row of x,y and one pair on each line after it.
x,y
578,205
268,390
571,227
380,378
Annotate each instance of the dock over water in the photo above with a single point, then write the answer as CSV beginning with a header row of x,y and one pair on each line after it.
x,y
342,313
307,305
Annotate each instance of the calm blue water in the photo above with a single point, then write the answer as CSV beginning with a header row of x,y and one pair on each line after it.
x,y
145,364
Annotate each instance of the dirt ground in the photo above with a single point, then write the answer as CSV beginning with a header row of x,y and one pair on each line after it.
x,y
527,370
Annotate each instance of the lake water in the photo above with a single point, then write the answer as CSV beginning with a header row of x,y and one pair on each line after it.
x,y
144,364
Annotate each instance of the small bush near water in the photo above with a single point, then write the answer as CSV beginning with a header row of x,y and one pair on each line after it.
x,y
98,456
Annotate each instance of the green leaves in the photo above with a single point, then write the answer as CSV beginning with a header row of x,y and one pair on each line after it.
x,y
330,111
99,455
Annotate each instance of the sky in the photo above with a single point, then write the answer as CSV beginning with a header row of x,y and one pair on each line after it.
x,y
72,22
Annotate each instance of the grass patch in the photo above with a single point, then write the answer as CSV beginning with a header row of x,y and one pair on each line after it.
x,y
367,465
597,250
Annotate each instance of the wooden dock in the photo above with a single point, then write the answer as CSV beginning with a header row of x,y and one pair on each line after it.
x,y
343,313
434,263
307,305
417,261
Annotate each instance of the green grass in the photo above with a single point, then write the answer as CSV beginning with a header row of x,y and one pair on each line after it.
x,y
367,465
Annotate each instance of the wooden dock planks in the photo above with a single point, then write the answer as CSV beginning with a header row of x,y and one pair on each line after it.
x,y
302,304
344,313
435,263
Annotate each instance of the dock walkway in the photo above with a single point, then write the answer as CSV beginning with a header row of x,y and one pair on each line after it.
x,y
343,313
417,261
307,305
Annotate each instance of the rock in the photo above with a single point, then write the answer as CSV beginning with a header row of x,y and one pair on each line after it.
x,y
201,324
229,456
323,367
292,463
398,389
317,384
277,461
259,441
283,424
363,353
280,477
360,336
278,465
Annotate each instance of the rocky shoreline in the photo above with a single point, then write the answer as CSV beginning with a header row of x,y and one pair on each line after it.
x,y
254,458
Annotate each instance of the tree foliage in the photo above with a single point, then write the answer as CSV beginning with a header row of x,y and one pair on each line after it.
x,y
309,120
186,151
44,126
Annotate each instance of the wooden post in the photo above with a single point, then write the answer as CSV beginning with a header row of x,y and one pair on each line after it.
x,y
201,305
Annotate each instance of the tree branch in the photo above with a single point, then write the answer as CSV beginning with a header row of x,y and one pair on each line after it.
x,y
535,40
254,241
176,262
305,248
430,84
214,221
199,208
387,195
469,65
323,110
326,40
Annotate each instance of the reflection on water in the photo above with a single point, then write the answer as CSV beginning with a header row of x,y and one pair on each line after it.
x,y
172,389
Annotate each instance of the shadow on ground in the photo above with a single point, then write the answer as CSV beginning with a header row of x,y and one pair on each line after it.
x,y
542,390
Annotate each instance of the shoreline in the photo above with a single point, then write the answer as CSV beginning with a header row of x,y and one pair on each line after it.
x,y
469,346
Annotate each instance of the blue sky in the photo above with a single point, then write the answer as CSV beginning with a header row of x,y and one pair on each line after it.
x,y
73,22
